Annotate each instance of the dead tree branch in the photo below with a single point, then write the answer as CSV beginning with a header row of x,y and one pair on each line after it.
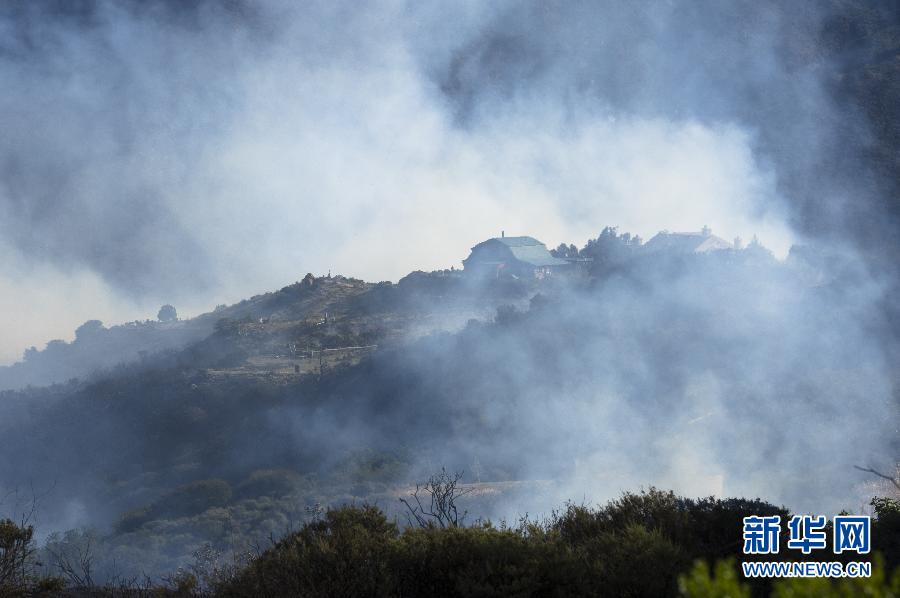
x,y
74,558
441,492
892,479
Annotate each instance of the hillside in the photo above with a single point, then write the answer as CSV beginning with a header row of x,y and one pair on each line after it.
x,y
272,326
534,389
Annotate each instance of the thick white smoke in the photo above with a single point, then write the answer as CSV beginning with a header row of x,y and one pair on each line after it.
x,y
201,156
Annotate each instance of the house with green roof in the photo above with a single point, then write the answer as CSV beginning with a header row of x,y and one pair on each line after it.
x,y
517,257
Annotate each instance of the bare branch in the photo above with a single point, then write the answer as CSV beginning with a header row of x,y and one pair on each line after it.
x,y
73,556
893,480
443,491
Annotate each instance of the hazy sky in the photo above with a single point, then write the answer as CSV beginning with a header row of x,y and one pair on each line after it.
x,y
201,153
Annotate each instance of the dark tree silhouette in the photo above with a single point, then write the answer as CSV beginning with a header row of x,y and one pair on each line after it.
x,y
88,329
167,313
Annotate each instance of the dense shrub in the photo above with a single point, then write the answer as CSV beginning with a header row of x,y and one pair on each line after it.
x,y
635,561
701,583
634,546
651,543
356,551
485,561
16,549
18,575
705,527
344,554
886,529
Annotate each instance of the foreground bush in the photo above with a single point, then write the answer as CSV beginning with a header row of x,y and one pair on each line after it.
x,y
344,554
635,546
17,566
652,543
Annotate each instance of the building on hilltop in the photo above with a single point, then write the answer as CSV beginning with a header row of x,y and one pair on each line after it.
x,y
518,257
701,242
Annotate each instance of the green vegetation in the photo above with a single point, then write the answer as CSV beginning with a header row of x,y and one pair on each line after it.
x,y
648,544
726,582
651,543
18,572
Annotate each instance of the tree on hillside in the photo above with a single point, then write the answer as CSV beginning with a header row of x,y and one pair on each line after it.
x,y
564,251
88,329
610,249
167,313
